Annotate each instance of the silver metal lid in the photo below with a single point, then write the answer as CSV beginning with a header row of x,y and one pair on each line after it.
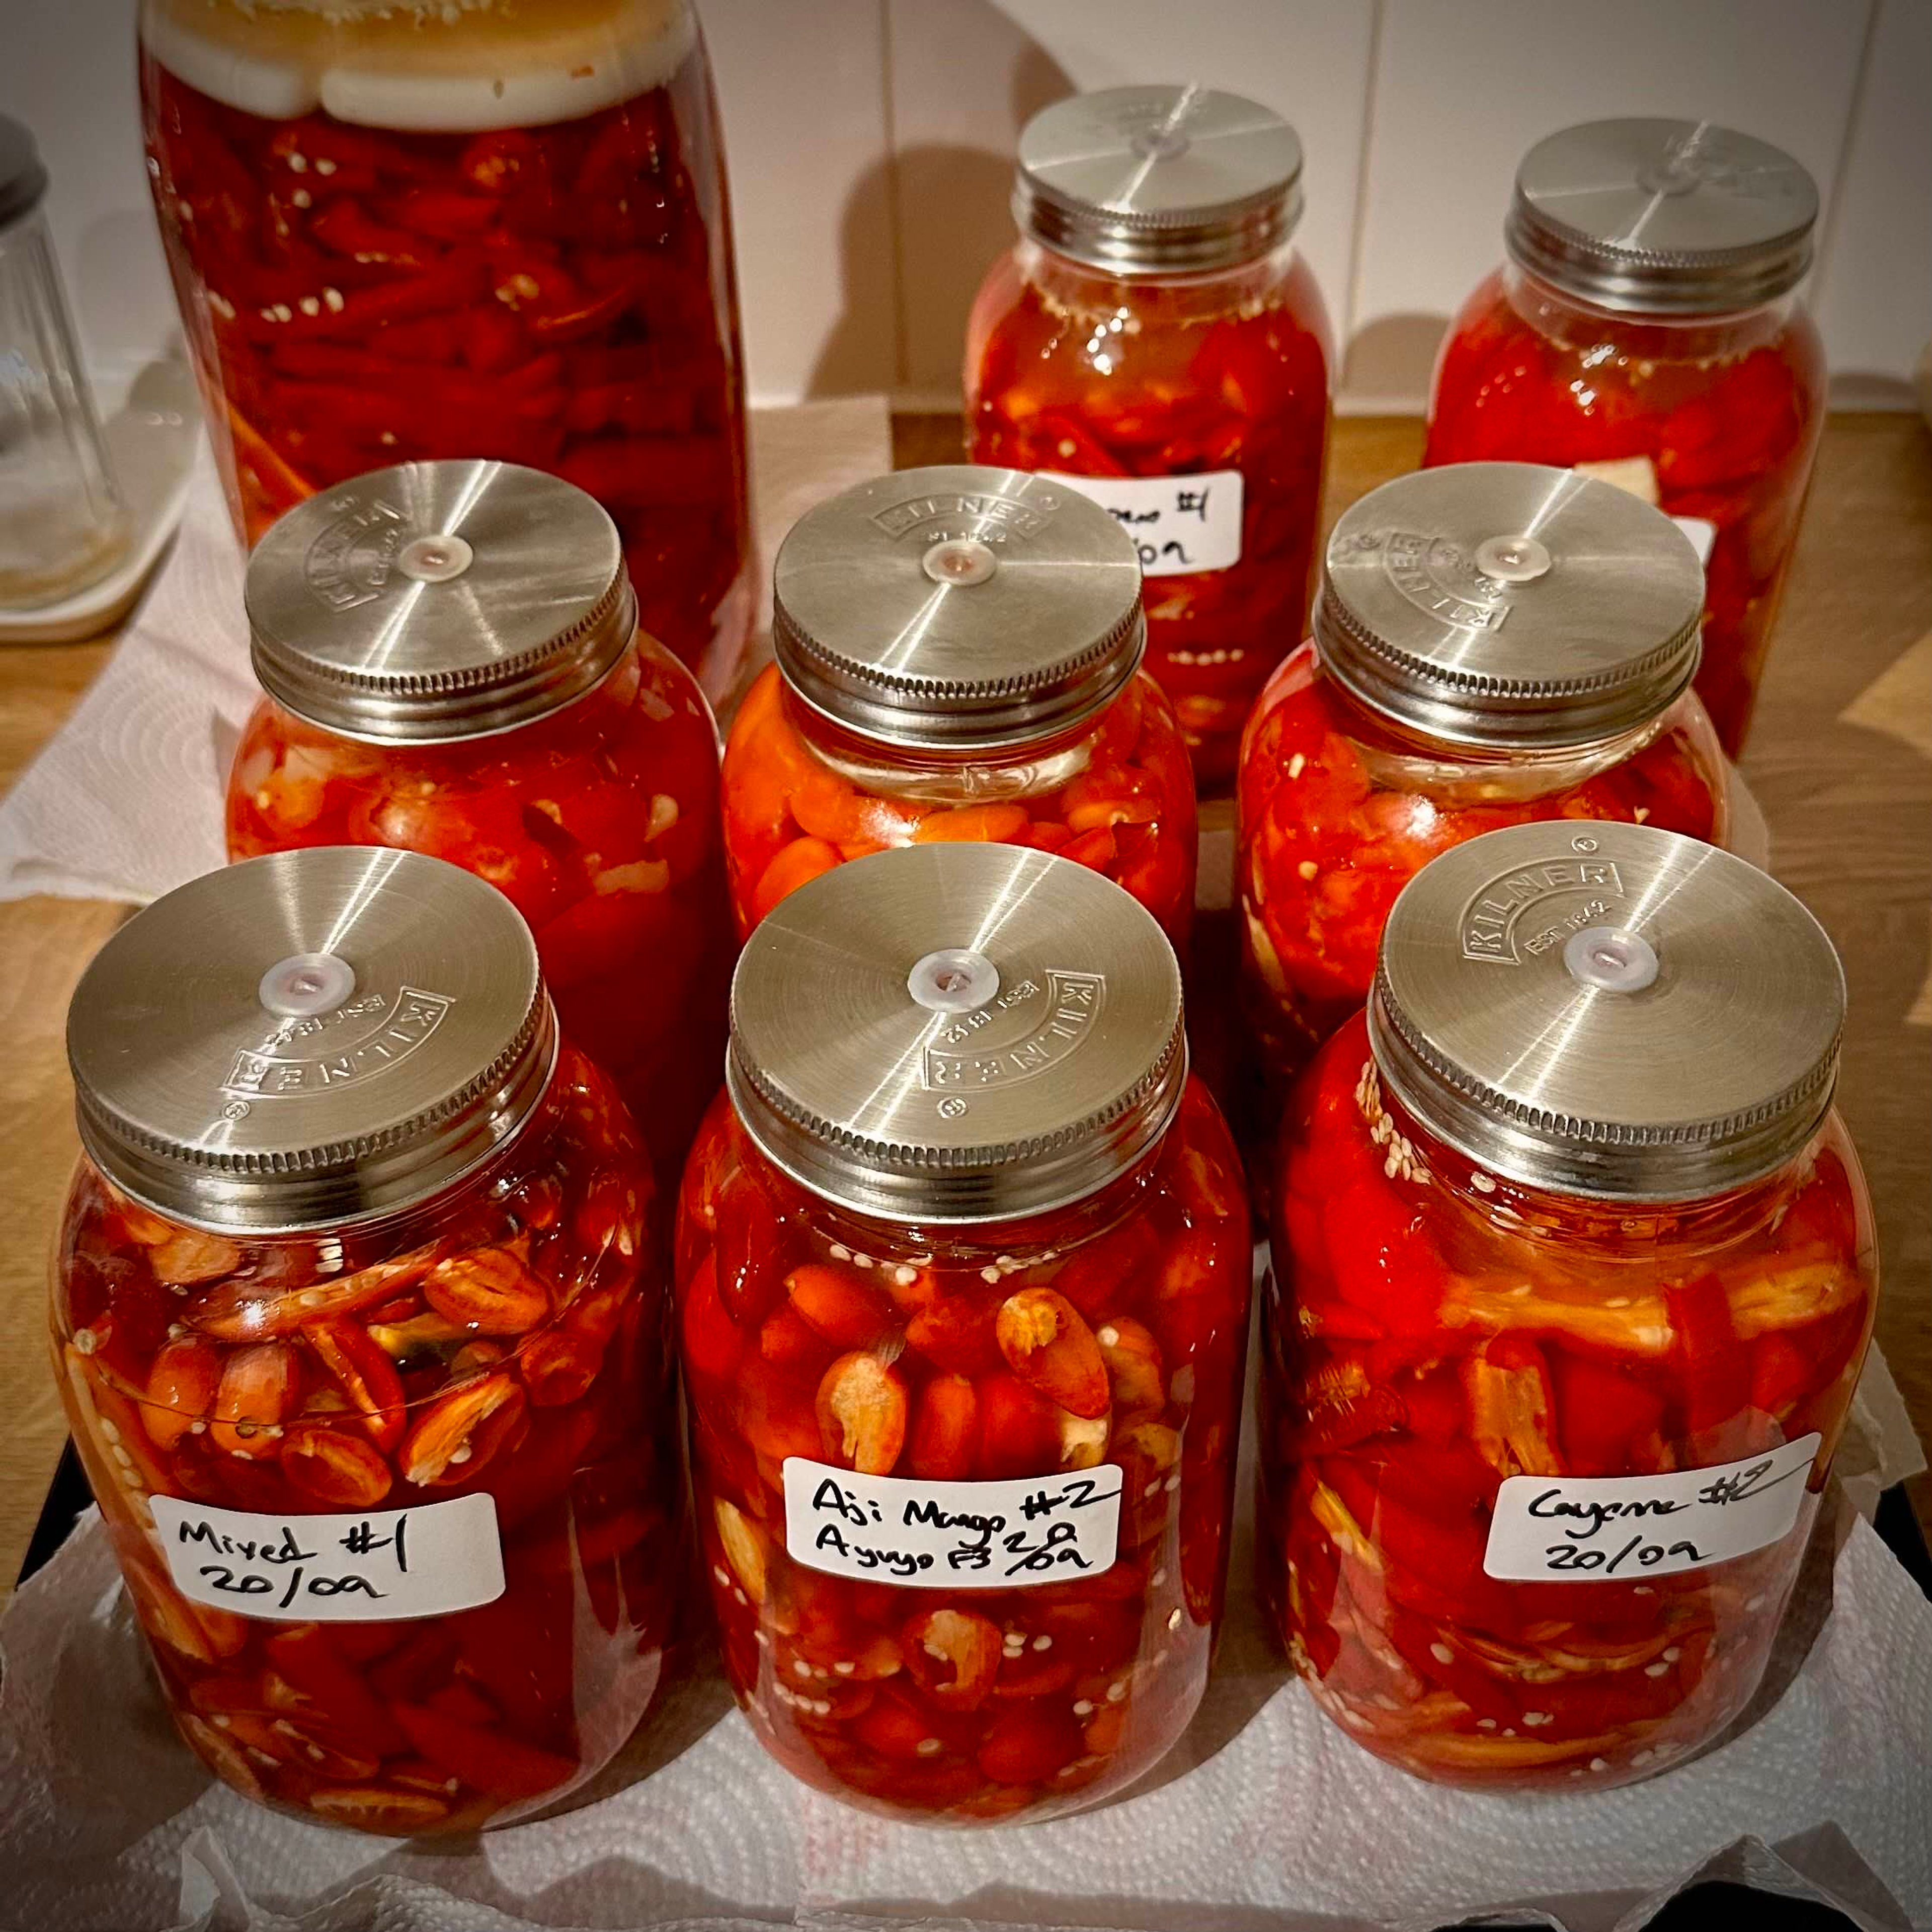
x,y
1672,216
1510,605
958,607
309,1037
1158,179
956,1034
1608,1010
438,600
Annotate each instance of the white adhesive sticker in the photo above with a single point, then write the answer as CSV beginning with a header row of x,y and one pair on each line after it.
x,y
368,1568
1182,523
1702,533
952,1536
1578,1529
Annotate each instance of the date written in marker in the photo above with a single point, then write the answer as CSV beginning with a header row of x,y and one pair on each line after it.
x,y
383,1563
938,1535
1576,1529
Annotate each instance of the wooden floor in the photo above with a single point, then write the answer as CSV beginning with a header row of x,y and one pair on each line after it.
x,y
1841,759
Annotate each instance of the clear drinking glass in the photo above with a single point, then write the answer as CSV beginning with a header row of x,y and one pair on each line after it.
x,y
62,525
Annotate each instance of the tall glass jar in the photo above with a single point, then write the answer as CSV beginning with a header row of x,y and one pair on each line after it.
x,y
453,666
408,231
1645,329
1155,341
1494,642
359,1323
1575,1274
963,1269
958,653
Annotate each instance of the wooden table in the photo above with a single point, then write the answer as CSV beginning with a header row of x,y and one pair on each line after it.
x,y
1841,761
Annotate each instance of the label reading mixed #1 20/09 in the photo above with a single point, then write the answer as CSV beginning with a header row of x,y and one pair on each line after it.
x,y
373,1567
952,1536
1555,1529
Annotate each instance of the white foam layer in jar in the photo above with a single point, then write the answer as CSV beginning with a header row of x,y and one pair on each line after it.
x,y
421,66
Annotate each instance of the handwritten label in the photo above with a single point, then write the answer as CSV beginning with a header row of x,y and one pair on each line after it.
x,y
1589,1529
1702,533
374,1566
1182,523
952,1536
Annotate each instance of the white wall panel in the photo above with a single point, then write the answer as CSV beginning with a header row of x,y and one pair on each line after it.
x,y
801,89
871,144
967,74
1461,91
1873,289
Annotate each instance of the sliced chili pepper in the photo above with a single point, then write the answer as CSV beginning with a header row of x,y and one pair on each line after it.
x,y
482,1757
1602,1414
1714,1367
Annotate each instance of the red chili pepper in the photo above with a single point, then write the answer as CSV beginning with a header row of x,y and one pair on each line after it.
x,y
1714,1366
641,471
310,1658
585,318
444,215
1383,1260
482,1756
1340,1425
1781,1372
448,285
1601,1414
348,229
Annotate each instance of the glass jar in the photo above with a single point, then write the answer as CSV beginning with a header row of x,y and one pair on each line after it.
x,y
958,653
963,1347
1494,642
1575,1274
400,231
1155,341
454,666
359,1326
1645,330
62,524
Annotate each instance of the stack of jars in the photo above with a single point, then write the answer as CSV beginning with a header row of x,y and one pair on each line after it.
x,y
407,1177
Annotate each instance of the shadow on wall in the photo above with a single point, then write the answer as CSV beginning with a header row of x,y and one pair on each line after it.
x,y
1387,366
928,222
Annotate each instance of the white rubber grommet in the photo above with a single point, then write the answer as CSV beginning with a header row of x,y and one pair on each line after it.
x,y
1610,958
1512,559
953,980
306,984
959,561
435,559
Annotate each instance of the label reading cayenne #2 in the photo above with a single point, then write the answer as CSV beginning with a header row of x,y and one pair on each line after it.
x,y
1181,524
371,1566
1551,1529
952,1536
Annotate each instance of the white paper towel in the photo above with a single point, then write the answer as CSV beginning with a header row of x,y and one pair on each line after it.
x,y
125,803
1266,1816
